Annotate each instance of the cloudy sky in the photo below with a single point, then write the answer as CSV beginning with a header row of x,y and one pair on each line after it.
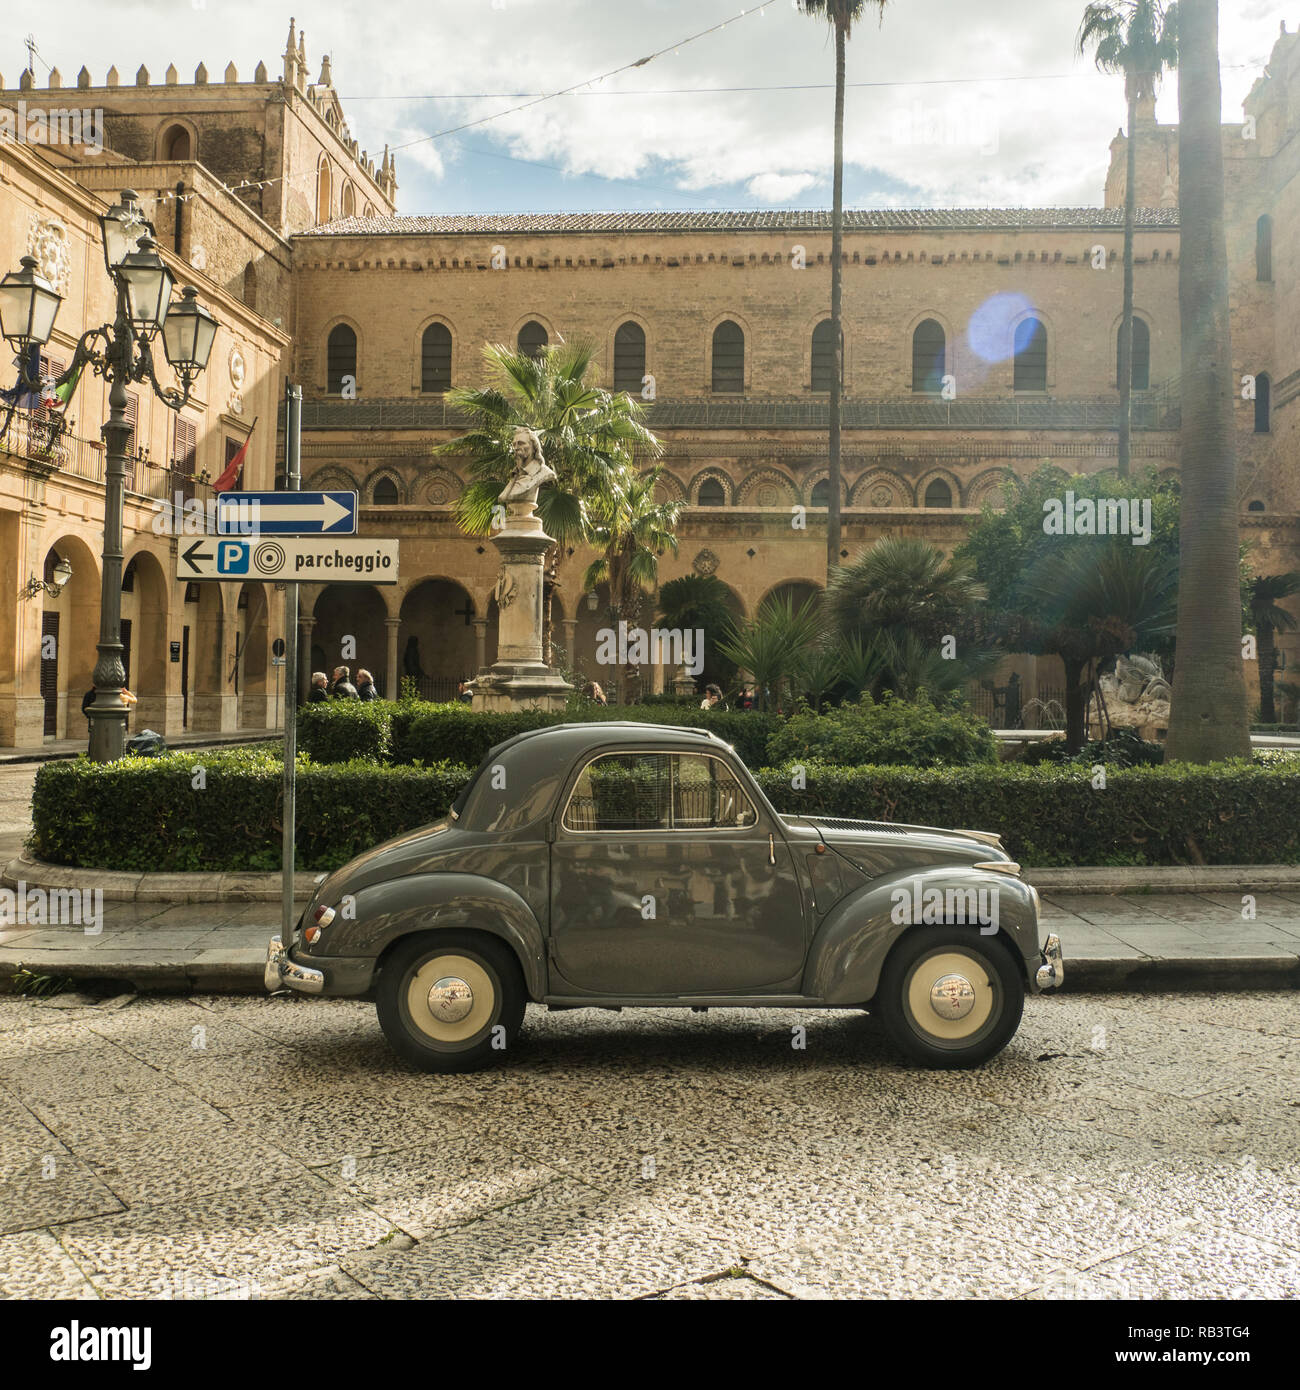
x,y
956,103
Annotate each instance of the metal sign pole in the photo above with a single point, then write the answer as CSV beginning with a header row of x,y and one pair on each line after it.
x,y
293,482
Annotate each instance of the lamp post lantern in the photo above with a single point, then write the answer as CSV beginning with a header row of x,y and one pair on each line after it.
x,y
119,352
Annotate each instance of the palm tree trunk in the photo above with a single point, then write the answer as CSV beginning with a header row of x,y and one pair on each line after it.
x,y
1076,708
1267,654
1126,323
1208,716
837,243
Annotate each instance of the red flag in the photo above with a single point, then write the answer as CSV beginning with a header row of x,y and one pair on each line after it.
x,y
231,476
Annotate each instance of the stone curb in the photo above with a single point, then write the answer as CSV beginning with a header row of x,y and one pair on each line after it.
x,y
265,887
168,888
13,757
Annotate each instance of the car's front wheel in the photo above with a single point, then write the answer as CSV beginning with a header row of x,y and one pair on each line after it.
x,y
451,1002
950,997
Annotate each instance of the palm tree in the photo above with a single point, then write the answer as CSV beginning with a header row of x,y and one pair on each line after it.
x,y
841,15
902,581
700,603
590,437
774,643
1096,605
1139,39
630,529
1209,717
1267,618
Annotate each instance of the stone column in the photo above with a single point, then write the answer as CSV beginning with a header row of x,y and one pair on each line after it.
x,y
305,628
393,686
480,644
571,641
520,677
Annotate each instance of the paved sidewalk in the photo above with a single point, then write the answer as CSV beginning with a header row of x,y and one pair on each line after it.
x,y
50,749
1154,942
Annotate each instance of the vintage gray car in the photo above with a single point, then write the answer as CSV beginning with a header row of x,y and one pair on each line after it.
x,y
621,864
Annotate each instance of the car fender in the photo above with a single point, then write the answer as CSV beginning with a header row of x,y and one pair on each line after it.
x,y
850,947
387,911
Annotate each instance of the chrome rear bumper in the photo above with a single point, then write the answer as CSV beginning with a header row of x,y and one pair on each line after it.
x,y
282,973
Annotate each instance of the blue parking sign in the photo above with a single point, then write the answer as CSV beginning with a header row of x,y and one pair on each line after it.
x,y
232,557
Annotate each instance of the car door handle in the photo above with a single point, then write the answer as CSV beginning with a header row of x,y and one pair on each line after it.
x,y
771,849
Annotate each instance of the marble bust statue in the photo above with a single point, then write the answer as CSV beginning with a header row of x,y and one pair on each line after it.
x,y
530,471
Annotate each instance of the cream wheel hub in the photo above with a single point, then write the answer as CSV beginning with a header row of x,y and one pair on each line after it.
x,y
450,998
950,995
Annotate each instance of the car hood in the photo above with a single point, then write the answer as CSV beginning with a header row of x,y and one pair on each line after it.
x,y
407,849
879,845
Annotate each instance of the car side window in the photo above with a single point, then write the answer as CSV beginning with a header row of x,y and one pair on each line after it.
x,y
657,791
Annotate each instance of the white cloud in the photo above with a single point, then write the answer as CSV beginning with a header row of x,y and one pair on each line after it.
x,y
778,188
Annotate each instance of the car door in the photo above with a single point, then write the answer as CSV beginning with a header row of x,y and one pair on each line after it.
x,y
667,878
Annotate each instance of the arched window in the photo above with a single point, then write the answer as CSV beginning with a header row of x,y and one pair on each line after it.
x,y
711,494
385,493
1141,365
728,357
1255,506
938,494
250,285
1031,355
1264,248
929,355
532,338
1263,390
340,357
348,202
821,493
324,191
823,357
176,143
435,358
629,357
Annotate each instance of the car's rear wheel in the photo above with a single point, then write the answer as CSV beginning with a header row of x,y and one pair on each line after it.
x,y
451,1002
950,997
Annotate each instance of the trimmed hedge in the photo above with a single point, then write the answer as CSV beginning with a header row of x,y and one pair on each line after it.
x,y
145,813
148,814
409,732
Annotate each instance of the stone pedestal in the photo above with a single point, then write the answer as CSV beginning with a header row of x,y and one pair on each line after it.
x,y
520,677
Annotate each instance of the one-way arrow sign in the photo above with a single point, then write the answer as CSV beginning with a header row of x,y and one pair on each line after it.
x,y
286,513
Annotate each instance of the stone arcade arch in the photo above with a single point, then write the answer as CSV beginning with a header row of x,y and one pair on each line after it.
x,y
72,618
146,607
439,614
350,630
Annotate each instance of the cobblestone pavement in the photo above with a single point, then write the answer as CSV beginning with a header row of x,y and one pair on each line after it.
x,y
1122,1147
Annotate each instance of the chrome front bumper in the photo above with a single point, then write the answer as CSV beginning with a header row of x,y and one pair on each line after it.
x,y
1052,971
283,973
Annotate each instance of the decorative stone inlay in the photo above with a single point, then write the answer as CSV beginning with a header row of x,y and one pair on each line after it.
x,y
706,562
47,240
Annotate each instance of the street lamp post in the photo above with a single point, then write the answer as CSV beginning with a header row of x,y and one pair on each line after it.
x,y
119,352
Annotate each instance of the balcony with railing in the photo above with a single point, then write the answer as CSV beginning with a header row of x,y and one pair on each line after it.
x,y
42,437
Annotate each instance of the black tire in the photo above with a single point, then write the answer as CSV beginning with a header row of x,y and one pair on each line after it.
x,y
496,1002
902,1000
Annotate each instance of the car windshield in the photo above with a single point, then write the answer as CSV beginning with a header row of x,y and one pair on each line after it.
x,y
458,806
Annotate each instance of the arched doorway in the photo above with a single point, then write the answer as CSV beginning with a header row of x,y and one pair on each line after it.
x,y
202,649
146,602
436,636
251,634
799,591
69,631
351,631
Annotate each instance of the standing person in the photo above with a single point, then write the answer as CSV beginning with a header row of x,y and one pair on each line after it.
x,y
366,685
594,693
343,689
319,688
713,698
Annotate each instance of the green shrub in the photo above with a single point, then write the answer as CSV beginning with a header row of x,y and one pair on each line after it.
x,y
337,731
890,733
1124,748
149,814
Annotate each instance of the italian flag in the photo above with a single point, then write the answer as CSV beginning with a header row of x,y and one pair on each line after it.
x,y
231,476
63,394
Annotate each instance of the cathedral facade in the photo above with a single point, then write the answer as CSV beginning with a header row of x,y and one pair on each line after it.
x,y
978,345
